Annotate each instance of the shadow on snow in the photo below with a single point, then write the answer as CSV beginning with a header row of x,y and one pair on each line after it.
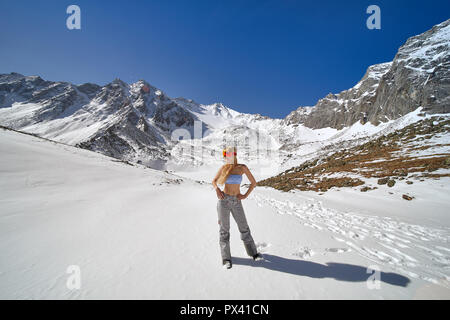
x,y
338,271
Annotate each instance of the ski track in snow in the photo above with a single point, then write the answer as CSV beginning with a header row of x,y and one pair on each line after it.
x,y
414,250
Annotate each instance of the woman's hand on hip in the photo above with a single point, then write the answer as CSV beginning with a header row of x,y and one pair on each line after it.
x,y
241,196
220,194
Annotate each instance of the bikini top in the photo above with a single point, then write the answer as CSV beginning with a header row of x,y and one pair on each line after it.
x,y
234,179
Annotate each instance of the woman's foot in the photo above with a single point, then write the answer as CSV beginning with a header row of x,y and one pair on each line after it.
x,y
227,264
258,257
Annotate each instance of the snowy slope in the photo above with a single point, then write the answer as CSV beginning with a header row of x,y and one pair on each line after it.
x,y
140,233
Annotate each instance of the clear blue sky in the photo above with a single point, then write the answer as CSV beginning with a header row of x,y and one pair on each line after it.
x,y
266,57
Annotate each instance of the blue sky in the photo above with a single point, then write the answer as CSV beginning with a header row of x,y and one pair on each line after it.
x,y
266,57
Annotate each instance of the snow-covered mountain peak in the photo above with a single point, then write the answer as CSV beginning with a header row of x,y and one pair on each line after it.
x,y
218,109
426,51
142,86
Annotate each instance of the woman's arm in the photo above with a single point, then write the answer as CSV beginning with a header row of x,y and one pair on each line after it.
x,y
251,178
218,191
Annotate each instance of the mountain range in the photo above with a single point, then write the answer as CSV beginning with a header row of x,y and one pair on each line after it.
x,y
138,122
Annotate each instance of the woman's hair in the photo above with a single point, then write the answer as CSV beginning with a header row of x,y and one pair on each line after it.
x,y
227,167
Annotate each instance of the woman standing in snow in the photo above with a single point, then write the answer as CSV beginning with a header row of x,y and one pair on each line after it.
x,y
230,198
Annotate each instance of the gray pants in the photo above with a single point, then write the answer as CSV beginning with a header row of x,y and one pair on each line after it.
x,y
224,206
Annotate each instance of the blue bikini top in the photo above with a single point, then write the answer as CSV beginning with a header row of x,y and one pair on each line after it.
x,y
234,179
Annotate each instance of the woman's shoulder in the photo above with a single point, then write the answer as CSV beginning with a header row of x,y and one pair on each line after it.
x,y
242,166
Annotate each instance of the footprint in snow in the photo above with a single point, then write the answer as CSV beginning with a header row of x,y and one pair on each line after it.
x,y
304,253
337,250
262,246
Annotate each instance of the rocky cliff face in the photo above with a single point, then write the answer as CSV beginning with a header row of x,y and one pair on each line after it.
x,y
418,76
346,108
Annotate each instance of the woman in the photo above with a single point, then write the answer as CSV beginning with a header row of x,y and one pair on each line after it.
x,y
230,198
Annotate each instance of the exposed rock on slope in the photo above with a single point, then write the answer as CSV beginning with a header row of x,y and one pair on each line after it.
x,y
420,150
